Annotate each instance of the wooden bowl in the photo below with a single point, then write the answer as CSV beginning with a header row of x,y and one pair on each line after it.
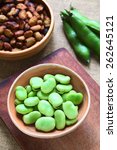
x,y
41,70
38,46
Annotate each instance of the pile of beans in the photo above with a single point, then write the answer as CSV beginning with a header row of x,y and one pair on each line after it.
x,y
22,24
49,102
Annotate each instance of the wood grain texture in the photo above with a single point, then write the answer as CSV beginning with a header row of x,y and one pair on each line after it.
x,y
86,137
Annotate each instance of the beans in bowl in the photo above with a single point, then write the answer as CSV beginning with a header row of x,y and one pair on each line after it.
x,y
22,24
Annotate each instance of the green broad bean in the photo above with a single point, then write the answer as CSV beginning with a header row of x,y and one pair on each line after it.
x,y
45,124
32,93
42,95
21,93
59,119
62,79
70,110
55,99
48,85
70,122
22,109
47,76
75,98
17,102
31,101
36,82
31,117
64,88
65,95
45,108
28,89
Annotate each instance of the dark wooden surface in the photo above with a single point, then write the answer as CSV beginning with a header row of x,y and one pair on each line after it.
x,y
86,137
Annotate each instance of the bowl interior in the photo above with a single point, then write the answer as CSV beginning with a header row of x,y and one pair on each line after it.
x,y
41,70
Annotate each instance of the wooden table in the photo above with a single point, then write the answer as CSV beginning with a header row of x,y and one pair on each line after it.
x,y
88,8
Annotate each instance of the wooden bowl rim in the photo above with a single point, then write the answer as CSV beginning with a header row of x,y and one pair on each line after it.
x,y
63,132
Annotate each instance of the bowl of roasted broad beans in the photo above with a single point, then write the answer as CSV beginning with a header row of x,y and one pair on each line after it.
x,y
25,27
48,101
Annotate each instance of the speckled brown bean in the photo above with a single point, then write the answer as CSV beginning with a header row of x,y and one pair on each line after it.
x,y
32,21
21,38
19,33
2,29
21,24
7,46
30,6
21,6
38,36
23,14
3,18
28,34
39,8
47,21
36,28
30,41
29,14
12,25
8,33
13,12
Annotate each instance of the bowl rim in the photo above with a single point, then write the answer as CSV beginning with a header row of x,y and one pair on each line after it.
x,y
63,132
37,43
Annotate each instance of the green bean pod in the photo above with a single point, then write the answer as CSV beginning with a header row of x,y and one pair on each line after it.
x,y
92,24
81,50
85,34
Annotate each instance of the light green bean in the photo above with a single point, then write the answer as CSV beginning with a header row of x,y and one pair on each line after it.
x,y
45,108
21,93
31,117
45,124
62,79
